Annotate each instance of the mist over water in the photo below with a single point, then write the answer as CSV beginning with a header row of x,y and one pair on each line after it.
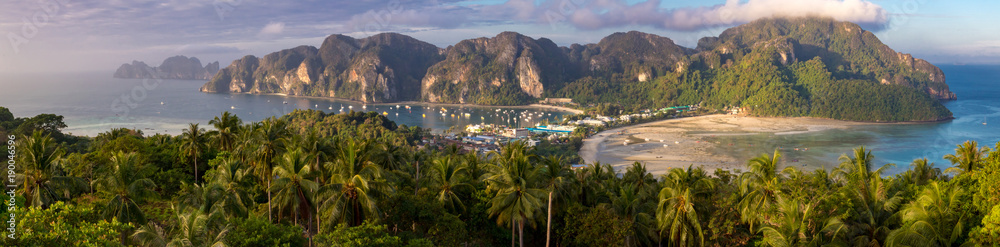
x,y
88,101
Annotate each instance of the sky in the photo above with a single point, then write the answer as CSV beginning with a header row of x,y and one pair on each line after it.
x,y
90,35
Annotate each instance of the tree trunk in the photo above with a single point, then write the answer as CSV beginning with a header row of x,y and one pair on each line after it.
x,y
520,231
548,227
196,168
269,199
416,185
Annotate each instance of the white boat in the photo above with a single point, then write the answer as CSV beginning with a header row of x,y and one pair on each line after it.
x,y
161,102
232,107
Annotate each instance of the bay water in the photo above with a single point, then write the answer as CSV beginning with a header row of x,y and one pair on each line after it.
x,y
93,102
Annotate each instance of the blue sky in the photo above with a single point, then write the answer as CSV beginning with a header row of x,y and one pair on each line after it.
x,y
77,35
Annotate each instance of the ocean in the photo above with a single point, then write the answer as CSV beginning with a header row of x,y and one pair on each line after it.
x,y
94,102
977,118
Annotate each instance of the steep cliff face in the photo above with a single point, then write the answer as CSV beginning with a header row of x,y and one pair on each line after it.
x,y
784,66
382,68
507,69
177,67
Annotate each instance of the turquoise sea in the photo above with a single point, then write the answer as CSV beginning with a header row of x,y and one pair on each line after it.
x,y
94,103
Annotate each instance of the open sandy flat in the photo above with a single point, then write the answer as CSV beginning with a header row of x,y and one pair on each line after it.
x,y
674,143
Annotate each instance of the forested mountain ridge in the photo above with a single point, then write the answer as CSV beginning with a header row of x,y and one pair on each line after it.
x,y
815,67
176,67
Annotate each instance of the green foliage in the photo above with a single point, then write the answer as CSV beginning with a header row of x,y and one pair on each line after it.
x,y
66,225
396,195
594,227
256,231
990,232
367,234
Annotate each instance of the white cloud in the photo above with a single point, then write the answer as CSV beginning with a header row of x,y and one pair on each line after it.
x,y
272,29
598,14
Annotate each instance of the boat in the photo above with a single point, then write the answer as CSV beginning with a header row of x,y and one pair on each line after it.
x,y
232,107
284,102
385,113
444,110
161,102
424,115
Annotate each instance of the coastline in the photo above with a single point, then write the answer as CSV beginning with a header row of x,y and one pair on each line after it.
x,y
536,105
678,143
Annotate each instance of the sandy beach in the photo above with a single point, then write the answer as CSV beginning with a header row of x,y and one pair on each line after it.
x,y
677,143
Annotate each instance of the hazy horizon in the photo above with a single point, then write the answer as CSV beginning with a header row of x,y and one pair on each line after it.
x,y
75,36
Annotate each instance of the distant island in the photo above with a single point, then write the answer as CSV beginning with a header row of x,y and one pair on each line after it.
x,y
177,68
816,67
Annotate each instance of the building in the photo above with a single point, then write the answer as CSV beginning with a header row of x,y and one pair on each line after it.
x,y
557,101
517,133
532,143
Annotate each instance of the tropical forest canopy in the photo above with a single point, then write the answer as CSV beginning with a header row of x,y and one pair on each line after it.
x,y
358,179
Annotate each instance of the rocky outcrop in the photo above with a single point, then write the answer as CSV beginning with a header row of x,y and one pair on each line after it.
x,y
383,68
177,67
513,69
506,69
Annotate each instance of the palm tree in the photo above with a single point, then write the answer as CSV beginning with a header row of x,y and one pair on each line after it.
x,y
931,219
875,200
44,182
791,226
127,186
263,145
233,180
921,172
193,144
968,157
633,204
516,198
759,187
592,183
676,212
476,166
315,146
637,175
555,176
292,189
196,228
448,175
355,186
150,235
227,128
